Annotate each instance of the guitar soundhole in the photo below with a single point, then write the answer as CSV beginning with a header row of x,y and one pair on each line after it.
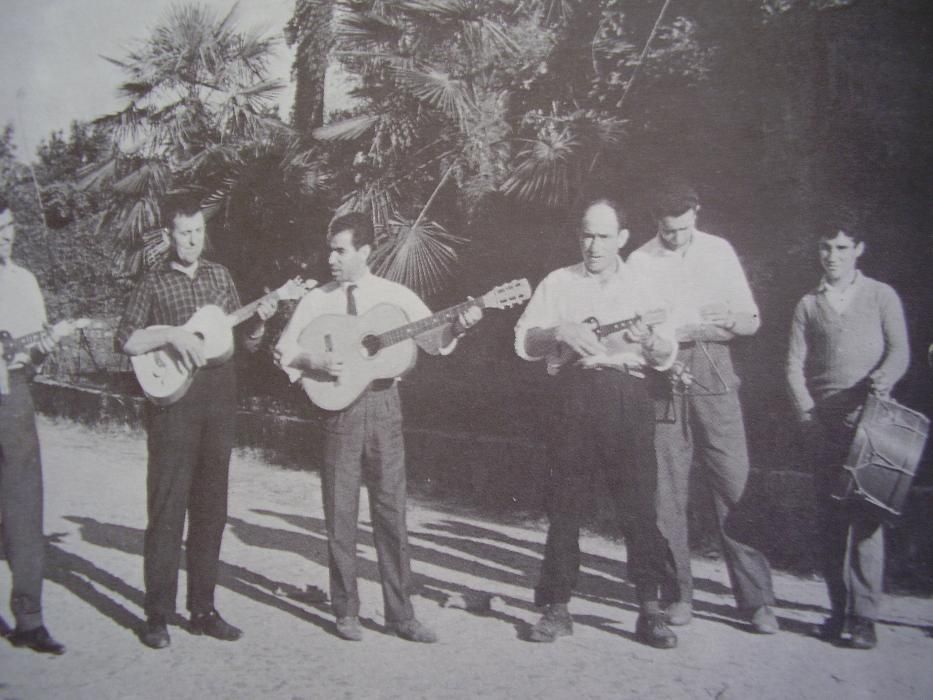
x,y
371,345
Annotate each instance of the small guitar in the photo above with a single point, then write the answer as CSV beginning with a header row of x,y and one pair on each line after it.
x,y
163,374
565,354
14,346
379,344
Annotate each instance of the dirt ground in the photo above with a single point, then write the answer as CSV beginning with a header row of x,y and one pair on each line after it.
x,y
474,580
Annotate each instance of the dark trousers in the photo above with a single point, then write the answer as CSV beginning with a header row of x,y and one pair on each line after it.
x,y
851,535
364,443
708,430
189,459
21,501
605,428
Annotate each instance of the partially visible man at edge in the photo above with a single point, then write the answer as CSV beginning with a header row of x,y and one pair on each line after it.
x,y
189,441
701,280
22,312
848,339
605,420
364,441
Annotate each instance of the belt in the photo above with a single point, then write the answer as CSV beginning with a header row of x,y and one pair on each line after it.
x,y
381,384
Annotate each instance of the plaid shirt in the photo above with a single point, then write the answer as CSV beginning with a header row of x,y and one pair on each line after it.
x,y
168,297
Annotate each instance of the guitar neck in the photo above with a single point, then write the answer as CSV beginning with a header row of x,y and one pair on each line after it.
x,y
410,330
611,328
244,312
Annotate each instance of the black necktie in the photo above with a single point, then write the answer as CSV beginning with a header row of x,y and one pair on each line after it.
x,y
351,299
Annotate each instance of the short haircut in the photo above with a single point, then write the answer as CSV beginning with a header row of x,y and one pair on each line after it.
x,y
179,204
674,199
608,202
840,220
360,226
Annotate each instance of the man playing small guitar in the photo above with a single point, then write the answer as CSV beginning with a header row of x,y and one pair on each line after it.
x,y
189,440
364,440
20,461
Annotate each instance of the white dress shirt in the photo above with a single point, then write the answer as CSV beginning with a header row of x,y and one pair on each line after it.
x,y
331,298
22,309
706,273
572,294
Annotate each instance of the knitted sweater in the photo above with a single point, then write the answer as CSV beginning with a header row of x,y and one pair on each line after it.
x,y
831,352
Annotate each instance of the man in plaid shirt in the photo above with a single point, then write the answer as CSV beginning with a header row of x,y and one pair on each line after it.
x,y
189,440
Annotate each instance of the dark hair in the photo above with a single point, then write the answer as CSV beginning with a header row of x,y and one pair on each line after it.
x,y
358,223
674,199
840,220
179,204
608,202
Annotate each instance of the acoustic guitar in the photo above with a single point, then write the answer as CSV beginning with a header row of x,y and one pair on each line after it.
x,y
164,375
379,343
564,355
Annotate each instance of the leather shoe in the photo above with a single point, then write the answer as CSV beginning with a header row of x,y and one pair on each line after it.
x,y
414,631
764,621
213,625
863,633
651,629
349,628
831,629
555,622
38,639
155,635
679,613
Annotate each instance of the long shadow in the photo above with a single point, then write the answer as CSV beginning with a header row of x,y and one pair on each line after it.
x,y
237,578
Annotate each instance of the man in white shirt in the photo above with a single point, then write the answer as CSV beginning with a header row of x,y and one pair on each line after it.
x,y
22,312
701,281
364,441
605,422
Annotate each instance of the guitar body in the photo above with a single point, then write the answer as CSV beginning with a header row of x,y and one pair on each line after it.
x,y
346,338
161,373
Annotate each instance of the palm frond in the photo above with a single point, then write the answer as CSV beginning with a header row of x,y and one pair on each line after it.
x,y
437,89
367,27
542,172
421,256
346,129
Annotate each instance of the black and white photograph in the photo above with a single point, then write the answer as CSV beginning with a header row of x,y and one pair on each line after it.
x,y
455,349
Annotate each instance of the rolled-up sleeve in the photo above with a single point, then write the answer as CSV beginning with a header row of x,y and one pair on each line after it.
x,y
287,348
538,314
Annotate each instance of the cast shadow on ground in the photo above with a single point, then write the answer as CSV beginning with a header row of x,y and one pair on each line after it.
x,y
129,540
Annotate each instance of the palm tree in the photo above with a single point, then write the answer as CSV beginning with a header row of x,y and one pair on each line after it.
x,y
198,103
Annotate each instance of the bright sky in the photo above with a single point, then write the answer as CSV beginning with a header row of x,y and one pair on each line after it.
x,y
50,53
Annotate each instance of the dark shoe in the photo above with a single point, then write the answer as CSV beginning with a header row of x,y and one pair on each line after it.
x,y
679,613
155,635
555,622
831,629
863,633
414,631
349,628
38,639
763,621
651,629
213,625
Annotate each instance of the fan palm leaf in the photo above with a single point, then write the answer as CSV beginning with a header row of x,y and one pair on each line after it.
x,y
421,255
543,170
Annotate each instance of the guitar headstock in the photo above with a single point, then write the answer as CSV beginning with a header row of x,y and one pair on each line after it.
x,y
295,288
506,295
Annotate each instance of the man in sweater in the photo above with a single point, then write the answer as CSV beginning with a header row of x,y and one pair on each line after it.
x,y
848,339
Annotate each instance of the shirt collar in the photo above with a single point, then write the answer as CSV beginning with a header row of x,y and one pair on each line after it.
x,y
360,282
826,287
190,272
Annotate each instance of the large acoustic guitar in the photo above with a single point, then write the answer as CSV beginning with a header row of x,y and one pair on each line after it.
x,y
14,346
565,354
163,373
380,343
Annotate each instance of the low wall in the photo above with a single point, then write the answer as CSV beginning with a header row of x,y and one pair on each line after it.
x,y
503,476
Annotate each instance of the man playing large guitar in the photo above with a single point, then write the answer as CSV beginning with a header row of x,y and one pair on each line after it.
x,y
189,440
22,312
364,440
